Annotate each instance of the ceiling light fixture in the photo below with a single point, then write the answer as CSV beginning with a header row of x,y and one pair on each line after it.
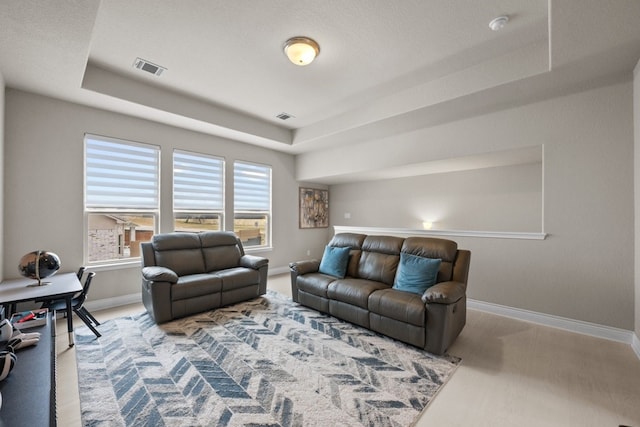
x,y
301,50
498,23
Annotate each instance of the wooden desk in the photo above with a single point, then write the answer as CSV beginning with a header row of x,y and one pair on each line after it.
x,y
62,286
29,391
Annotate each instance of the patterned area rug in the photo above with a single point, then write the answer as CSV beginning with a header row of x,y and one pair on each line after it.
x,y
266,362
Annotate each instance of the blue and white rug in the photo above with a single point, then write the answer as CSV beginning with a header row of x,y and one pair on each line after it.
x,y
265,362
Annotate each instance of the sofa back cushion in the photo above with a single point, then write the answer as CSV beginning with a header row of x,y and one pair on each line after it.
x,y
220,249
428,247
379,259
179,252
354,241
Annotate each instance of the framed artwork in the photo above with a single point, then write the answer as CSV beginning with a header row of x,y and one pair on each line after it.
x,y
314,208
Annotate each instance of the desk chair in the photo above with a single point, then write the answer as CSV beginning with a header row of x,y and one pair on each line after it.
x,y
77,303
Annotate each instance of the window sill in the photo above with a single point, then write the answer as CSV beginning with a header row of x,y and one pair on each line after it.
x,y
133,263
249,250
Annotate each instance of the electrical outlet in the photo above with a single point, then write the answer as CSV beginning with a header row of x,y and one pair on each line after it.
x,y
308,252
347,215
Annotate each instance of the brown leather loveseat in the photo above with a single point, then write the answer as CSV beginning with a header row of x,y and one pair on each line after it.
x,y
187,273
366,296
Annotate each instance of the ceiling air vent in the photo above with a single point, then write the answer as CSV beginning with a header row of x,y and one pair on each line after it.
x,y
285,116
149,67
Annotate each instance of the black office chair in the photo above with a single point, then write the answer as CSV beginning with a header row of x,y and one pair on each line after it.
x,y
47,304
81,272
77,303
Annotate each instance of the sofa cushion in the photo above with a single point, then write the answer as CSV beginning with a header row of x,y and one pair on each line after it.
x,y
378,267
379,258
429,247
221,257
353,241
179,252
334,261
402,306
315,283
182,261
416,274
177,240
353,291
238,277
220,250
195,285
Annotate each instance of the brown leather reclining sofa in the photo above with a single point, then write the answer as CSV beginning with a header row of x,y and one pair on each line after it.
x,y
188,273
365,295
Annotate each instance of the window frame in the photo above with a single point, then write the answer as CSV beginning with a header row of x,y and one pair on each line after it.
x,y
255,212
220,212
106,210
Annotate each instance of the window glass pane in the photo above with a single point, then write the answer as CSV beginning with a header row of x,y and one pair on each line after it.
x,y
252,203
117,236
197,221
252,187
197,182
251,229
120,174
122,197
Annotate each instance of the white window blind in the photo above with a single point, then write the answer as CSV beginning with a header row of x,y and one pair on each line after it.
x,y
121,175
252,187
197,182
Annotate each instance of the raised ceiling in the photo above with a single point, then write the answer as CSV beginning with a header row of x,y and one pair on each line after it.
x,y
385,66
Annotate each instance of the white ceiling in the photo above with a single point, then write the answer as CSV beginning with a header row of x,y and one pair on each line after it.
x,y
384,66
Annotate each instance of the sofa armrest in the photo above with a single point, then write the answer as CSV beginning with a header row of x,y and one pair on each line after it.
x,y
304,267
299,268
444,293
253,261
159,274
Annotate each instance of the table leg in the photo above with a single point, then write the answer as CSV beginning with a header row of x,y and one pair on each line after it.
x,y
69,320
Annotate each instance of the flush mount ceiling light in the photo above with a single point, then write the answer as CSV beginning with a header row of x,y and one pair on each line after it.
x,y
301,50
498,23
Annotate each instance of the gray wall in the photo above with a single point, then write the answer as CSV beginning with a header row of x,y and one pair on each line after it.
x,y
494,199
636,122
584,270
2,87
44,184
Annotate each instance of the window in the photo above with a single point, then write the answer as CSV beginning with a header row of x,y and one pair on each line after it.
x,y
121,197
252,203
198,192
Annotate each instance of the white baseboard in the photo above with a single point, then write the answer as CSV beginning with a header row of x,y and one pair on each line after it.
x,y
278,270
101,304
571,325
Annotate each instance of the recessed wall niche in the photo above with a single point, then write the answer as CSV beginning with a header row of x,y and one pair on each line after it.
x,y
496,192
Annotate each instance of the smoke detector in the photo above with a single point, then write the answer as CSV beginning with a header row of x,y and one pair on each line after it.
x,y
149,67
498,23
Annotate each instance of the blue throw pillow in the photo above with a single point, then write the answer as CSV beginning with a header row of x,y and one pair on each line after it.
x,y
416,274
334,261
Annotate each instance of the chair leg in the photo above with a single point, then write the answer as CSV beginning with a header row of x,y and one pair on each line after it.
x,y
89,315
87,322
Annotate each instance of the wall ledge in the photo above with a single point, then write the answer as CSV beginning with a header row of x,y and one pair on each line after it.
x,y
405,232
